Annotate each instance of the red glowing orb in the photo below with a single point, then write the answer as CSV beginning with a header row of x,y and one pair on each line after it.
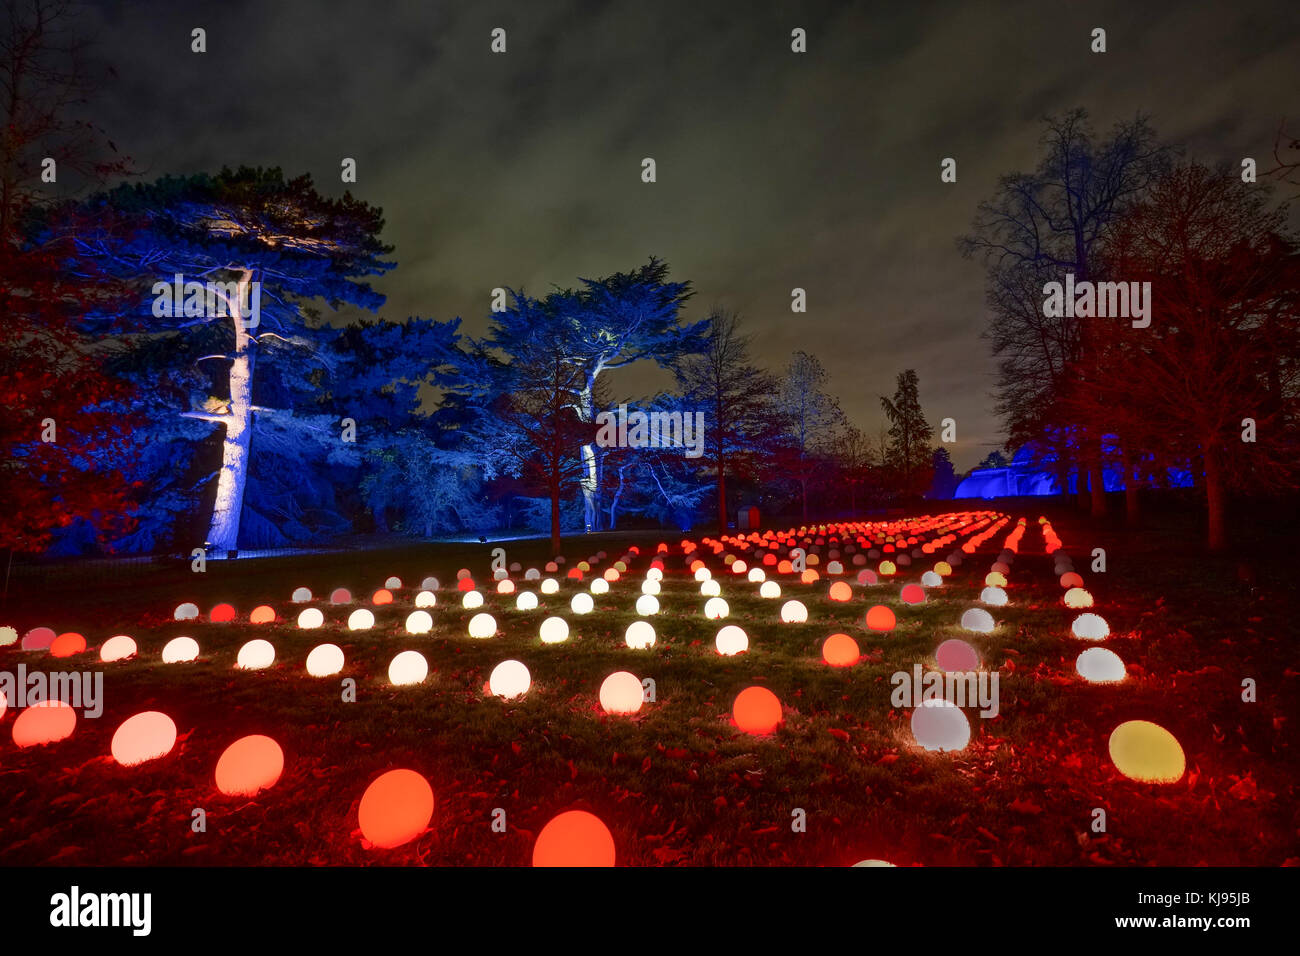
x,y
913,594
465,584
46,722
840,650
221,614
65,645
881,618
574,838
957,655
395,809
757,711
250,764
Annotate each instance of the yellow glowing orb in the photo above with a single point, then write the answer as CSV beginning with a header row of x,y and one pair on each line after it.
x,y
1147,752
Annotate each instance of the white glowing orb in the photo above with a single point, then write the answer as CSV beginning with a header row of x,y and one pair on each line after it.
x,y
1090,627
599,586
716,608
426,599
256,655
1097,665
649,587
505,587
582,603
731,640
532,574
429,584
526,601
145,736
408,667
471,599
1077,597
186,612
993,597
362,619
769,589
640,635
757,575
301,595
739,567
654,574
393,583
180,650
940,725
500,574
117,648
710,588
794,612
325,660
978,620
621,693
703,574
510,679
310,618
482,625
554,630
550,586
931,580
419,622
875,863
647,605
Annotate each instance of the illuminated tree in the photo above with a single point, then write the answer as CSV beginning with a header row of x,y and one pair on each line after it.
x,y
909,433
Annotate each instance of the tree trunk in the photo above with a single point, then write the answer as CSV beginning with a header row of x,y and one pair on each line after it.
x,y
1097,482
223,535
555,522
1132,502
722,498
1215,500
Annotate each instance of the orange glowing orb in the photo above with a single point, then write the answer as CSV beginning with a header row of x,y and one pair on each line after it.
x,y
45,722
117,648
810,576
395,809
574,838
382,596
65,645
757,711
840,591
621,693
248,765
264,614
145,736
881,618
1071,579
840,650
222,614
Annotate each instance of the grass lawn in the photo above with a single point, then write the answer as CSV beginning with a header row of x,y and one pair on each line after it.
x,y
678,783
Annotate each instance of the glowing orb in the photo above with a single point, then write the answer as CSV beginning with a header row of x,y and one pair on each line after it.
x,y
599,586
794,612
362,619
117,648
526,601
554,630
65,645
881,618
419,622
4,703
995,579
301,595
1147,752
311,618
1071,579
1100,666
510,679
887,568
810,576
639,635
1078,597
1090,627
550,586
650,587
703,574
912,594
710,588
45,722
506,587
655,574
180,650
250,764
430,584
463,574
769,589
875,863
943,569
186,612
994,597
867,576
621,693
978,620
647,605
325,660
395,809
757,711
716,608
757,575
341,596
731,640
957,655
426,599
840,591
256,655
532,574
222,614
408,667
840,650
7,636
471,600
482,625
931,579
382,596
146,736
582,603
263,614
940,725
574,838
834,567
393,583
739,567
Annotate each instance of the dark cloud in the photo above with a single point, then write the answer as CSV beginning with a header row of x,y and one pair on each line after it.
x,y
775,170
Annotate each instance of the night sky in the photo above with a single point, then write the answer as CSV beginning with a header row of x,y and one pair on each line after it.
x,y
775,169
